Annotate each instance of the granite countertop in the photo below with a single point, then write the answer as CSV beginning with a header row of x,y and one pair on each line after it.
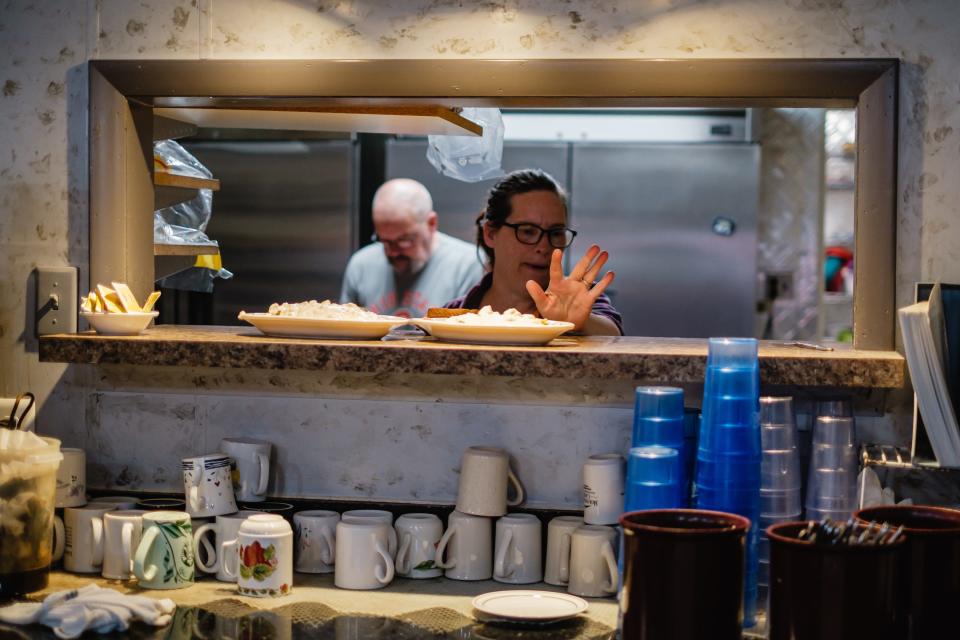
x,y
434,608
664,360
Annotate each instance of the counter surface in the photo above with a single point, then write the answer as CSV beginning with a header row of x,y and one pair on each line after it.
x,y
664,360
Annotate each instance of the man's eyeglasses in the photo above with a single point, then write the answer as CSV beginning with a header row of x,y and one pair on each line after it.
x,y
403,242
529,233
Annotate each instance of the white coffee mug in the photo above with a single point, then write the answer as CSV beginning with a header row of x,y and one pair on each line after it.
x,y
72,478
208,485
265,557
252,459
468,543
316,537
58,543
484,475
362,558
378,515
593,566
83,533
518,555
559,532
419,534
124,503
225,530
121,536
603,484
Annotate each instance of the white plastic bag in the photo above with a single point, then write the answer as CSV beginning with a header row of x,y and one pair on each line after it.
x,y
470,158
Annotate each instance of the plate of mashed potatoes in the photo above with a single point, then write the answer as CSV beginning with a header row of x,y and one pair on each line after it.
x,y
326,319
487,326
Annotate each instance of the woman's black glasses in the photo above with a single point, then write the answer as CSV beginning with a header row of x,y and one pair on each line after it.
x,y
529,233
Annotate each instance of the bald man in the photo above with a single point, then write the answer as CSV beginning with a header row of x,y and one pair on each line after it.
x,y
411,266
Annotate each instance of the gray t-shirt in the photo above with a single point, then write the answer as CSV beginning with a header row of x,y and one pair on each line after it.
x,y
371,282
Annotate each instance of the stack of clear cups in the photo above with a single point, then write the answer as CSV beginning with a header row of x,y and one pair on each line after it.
x,y
654,479
832,486
779,477
729,451
658,420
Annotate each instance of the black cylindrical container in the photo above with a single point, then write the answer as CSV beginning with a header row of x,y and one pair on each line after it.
x,y
683,574
833,592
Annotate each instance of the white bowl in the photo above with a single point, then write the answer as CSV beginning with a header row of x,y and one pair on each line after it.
x,y
120,324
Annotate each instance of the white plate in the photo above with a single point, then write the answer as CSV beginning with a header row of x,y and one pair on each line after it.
x,y
529,606
522,335
288,327
119,324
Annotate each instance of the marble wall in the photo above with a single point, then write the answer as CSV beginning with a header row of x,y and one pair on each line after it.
x,y
43,164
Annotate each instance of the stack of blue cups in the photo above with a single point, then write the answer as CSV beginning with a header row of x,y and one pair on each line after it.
x,y
729,451
658,420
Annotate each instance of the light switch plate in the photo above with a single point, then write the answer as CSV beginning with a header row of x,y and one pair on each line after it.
x,y
56,300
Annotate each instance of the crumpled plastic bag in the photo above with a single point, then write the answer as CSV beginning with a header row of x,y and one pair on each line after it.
x,y
470,158
172,157
200,277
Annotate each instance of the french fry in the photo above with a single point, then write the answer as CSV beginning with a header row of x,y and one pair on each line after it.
x,y
127,300
109,299
151,300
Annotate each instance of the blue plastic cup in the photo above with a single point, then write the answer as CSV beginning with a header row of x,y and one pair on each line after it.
x,y
727,438
654,479
731,382
658,402
734,472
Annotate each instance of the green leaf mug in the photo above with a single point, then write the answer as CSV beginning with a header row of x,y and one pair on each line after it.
x,y
165,557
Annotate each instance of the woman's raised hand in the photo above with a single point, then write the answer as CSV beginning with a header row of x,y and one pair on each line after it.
x,y
570,298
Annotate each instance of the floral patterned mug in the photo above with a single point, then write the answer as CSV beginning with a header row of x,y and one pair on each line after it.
x,y
263,561
164,557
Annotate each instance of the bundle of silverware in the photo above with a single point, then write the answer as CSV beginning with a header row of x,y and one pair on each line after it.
x,y
850,533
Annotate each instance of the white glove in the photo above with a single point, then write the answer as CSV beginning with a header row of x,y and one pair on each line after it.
x,y
69,613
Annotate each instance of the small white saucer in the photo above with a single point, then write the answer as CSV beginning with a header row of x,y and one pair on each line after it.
x,y
529,606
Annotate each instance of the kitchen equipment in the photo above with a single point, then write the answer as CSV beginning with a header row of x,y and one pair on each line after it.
x,y
528,606
251,465
362,558
316,538
208,485
72,478
419,534
484,475
929,576
683,574
165,558
225,530
593,565
603,478
265,567
121,536
120,324
19,412
468,543
28,473
559,531
826,589
518,554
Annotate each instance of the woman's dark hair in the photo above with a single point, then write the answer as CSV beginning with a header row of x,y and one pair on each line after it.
x,y
499,208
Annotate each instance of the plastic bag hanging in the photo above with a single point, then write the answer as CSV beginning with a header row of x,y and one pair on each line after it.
x,y
470,158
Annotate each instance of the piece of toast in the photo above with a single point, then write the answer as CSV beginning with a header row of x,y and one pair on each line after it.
x,y
440,312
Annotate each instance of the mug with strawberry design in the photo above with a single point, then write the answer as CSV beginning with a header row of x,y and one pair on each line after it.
x,y
263,560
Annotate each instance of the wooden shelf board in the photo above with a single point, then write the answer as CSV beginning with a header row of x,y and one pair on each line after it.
x,y
403,119
205,249
168,179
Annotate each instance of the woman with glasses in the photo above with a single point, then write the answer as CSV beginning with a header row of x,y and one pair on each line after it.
x,y
523,233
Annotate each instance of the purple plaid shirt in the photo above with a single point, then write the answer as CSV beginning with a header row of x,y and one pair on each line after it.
x,y
602,306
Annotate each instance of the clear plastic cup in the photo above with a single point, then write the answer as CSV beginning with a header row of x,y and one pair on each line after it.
x,y
836,407
780,470
829,430
778,436
831,457
837,515
780,503
777,410
832,489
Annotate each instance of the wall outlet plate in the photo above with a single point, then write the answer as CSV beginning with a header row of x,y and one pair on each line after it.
x,y
56,310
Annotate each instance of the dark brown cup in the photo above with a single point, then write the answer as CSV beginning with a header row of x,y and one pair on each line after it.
x,y
931,571
820,592
683,574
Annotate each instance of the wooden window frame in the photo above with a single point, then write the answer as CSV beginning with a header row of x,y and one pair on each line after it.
x,y
123,94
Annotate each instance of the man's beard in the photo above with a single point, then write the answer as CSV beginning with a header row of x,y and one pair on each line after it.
x,y
404,265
